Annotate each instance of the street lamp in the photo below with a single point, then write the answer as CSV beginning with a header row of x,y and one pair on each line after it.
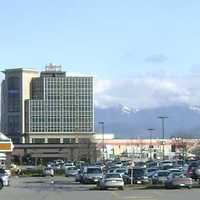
x,y
163,134
150,141
102,131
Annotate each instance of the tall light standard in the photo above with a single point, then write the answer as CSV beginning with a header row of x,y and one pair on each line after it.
x,y
102,131
150,141
163,134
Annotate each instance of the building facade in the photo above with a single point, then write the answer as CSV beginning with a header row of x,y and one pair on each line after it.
x,y
49,107
137,149
14,91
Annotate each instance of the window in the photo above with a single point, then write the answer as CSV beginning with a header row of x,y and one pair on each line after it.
x,y
66,140
38,140
53,140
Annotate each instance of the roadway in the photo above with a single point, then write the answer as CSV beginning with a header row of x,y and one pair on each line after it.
x,y
40,188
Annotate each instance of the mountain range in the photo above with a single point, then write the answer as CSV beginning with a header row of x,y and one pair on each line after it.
x,y
125,122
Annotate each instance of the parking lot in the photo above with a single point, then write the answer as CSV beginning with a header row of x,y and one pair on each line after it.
x,y
41,188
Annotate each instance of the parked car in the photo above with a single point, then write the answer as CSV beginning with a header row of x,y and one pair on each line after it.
x,y
47,171
194,170
71,171
112,180
91,174
141,164
121,171
118,164
174,170
139,175
68,164
165,162
5,178
111,169
177,180
59,162
1,183
160,177
151,171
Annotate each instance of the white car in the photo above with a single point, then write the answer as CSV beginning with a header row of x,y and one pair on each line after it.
x,y
71,171
4,177
68,164
112,180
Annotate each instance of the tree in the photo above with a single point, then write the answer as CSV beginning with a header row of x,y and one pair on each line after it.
x,y
196,150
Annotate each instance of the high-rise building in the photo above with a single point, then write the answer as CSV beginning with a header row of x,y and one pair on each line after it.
x,y
15,89
57,109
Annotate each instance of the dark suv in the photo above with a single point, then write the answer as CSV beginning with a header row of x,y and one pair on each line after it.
x,y
194,170
139,175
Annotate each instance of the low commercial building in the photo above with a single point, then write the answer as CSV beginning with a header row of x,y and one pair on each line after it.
x,y
145,148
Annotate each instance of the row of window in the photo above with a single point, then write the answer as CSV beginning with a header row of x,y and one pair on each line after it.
x,y
62,112
62,104
54,140
61,87
59,129
68,81
57,119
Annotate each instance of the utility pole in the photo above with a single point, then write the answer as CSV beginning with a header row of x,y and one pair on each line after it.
x,y
150,141
162,118
102,131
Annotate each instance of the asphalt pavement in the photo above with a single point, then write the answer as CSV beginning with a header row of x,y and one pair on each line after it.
x,y
62,188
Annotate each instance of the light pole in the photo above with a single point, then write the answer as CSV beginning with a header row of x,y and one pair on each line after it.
x,y
163,134
102,131
150,141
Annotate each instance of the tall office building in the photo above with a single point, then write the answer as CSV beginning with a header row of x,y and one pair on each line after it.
x,y
15,89
59,108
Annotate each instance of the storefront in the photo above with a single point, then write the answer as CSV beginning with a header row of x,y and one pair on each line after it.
x,y
6,148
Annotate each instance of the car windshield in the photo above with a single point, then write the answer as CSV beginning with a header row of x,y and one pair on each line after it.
x,y
94,170
163,173
179,175
152,170
72,168
112,176
120,170
138,172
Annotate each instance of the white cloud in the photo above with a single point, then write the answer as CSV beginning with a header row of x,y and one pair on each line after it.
x,y
148,91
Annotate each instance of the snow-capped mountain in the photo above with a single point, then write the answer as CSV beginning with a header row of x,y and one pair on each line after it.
x,y
127,110
128,122
195,108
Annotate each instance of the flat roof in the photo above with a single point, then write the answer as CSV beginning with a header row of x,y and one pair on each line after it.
x,y
20,69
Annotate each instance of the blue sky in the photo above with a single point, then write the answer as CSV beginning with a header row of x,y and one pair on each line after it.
x,y
107,38
151,46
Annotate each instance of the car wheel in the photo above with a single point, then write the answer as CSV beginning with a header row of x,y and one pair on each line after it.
x,y
189,187
121,188
166,187
101,188
1,185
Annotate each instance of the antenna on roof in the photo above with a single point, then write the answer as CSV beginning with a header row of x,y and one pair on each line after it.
x,y
53,67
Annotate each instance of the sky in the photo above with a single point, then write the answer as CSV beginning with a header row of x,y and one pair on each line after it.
x,y
143,53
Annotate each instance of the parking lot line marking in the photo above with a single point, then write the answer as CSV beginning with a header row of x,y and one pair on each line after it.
x,y
139,197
